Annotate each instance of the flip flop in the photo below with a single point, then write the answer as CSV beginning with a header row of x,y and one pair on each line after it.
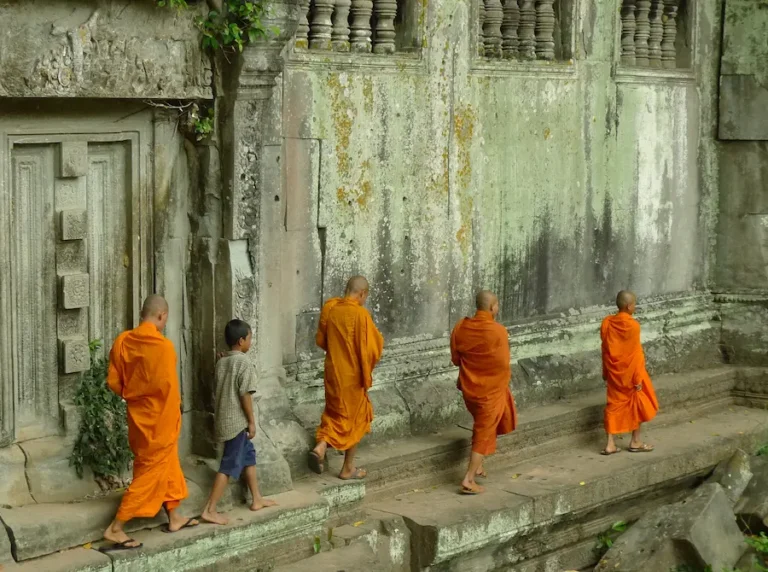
x,y
359,475
644,448
482,475
606,452
471,491
188,524
316,464
120,546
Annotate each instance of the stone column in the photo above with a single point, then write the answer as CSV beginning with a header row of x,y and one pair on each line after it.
x,y
340,34
642,32
526,33
657,31
246,161
492,28
320,31
628,33
509,26
302,30
545,28
668,51
385,11
360,37
481,22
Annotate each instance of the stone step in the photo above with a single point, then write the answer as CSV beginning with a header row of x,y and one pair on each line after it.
x,y
484,532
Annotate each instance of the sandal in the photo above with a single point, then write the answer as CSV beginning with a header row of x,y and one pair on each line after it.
x,y
475,490
607,452
359,475
120,546
316,464
188,524
644,448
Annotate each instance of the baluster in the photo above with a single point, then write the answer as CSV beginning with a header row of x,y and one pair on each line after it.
x,y
668,51
385,10
657,32
481,21
628,33
360,36
509,42
320,31
302,31
494,16
545,29
642,32
527,44
340,34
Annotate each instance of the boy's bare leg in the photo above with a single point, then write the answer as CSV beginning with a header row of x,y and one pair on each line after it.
x,y
259,502
116,533
475,463
611,446
217,491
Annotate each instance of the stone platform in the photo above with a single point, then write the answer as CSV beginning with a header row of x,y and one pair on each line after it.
x,y
549,495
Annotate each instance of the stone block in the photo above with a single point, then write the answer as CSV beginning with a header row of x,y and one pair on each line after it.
x,y
13,481
74,224
74,159
433,402
274,472
306,326
752,507
698,531
74,291
5,547
733,475
51,478
74,355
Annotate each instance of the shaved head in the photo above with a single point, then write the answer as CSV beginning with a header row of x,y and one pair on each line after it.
x,y
154,305
485,300
356,285
624,299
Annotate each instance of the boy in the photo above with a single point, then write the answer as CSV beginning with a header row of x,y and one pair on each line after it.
x,y
631,399
234,420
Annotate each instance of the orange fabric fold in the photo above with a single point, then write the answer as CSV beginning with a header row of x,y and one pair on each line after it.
x,y
623,370
353,346
142,370
480,349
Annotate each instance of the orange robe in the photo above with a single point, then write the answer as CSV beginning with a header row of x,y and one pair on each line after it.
x,y
353,347
480,349
623,369
142,370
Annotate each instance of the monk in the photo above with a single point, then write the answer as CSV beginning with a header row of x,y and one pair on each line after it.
x,y
353,347
631,398
142,370
480,349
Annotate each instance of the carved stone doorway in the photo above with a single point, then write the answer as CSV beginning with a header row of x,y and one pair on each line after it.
x,y
74,258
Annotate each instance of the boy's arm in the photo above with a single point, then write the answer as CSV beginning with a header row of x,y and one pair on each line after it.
x,y
247,389
246,402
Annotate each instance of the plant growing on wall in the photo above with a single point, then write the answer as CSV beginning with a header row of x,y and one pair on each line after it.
x,y
172,3
239,23
102,440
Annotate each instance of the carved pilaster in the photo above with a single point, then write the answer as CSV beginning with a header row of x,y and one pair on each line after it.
x,y
320,31
526,33
628,33
302,30
668,51
385,11
340,34
510,42
642,32
545,29
657,32
494,16
360,36
481,21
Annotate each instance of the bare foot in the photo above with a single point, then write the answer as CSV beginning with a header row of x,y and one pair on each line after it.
x,y
120,537
471,488
177,522
353,475
262,503
481,473
214,517
610,450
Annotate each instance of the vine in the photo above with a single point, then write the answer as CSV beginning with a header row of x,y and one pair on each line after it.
x,y
102,440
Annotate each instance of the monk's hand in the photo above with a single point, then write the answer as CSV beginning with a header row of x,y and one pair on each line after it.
x,y
251,430
639,387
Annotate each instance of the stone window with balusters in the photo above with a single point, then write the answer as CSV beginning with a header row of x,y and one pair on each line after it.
x,y
656,34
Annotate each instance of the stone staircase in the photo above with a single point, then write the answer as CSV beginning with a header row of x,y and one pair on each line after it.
x,y
549,495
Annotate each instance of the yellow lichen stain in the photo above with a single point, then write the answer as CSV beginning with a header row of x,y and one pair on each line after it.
x,y
464,234
547,133
368,95
301,45
361,193
343,116
464,129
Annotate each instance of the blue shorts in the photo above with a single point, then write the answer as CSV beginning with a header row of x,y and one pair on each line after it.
x,y
238,454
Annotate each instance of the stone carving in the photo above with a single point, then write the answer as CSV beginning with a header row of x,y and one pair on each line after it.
x,y
385,11
74,291
320,31
74,356
481,21
545,28
642,32
510,42
92,59
360,35
656,34
492,28
74,159
526,33
302,30
340,34
668,51
74,224
628,32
